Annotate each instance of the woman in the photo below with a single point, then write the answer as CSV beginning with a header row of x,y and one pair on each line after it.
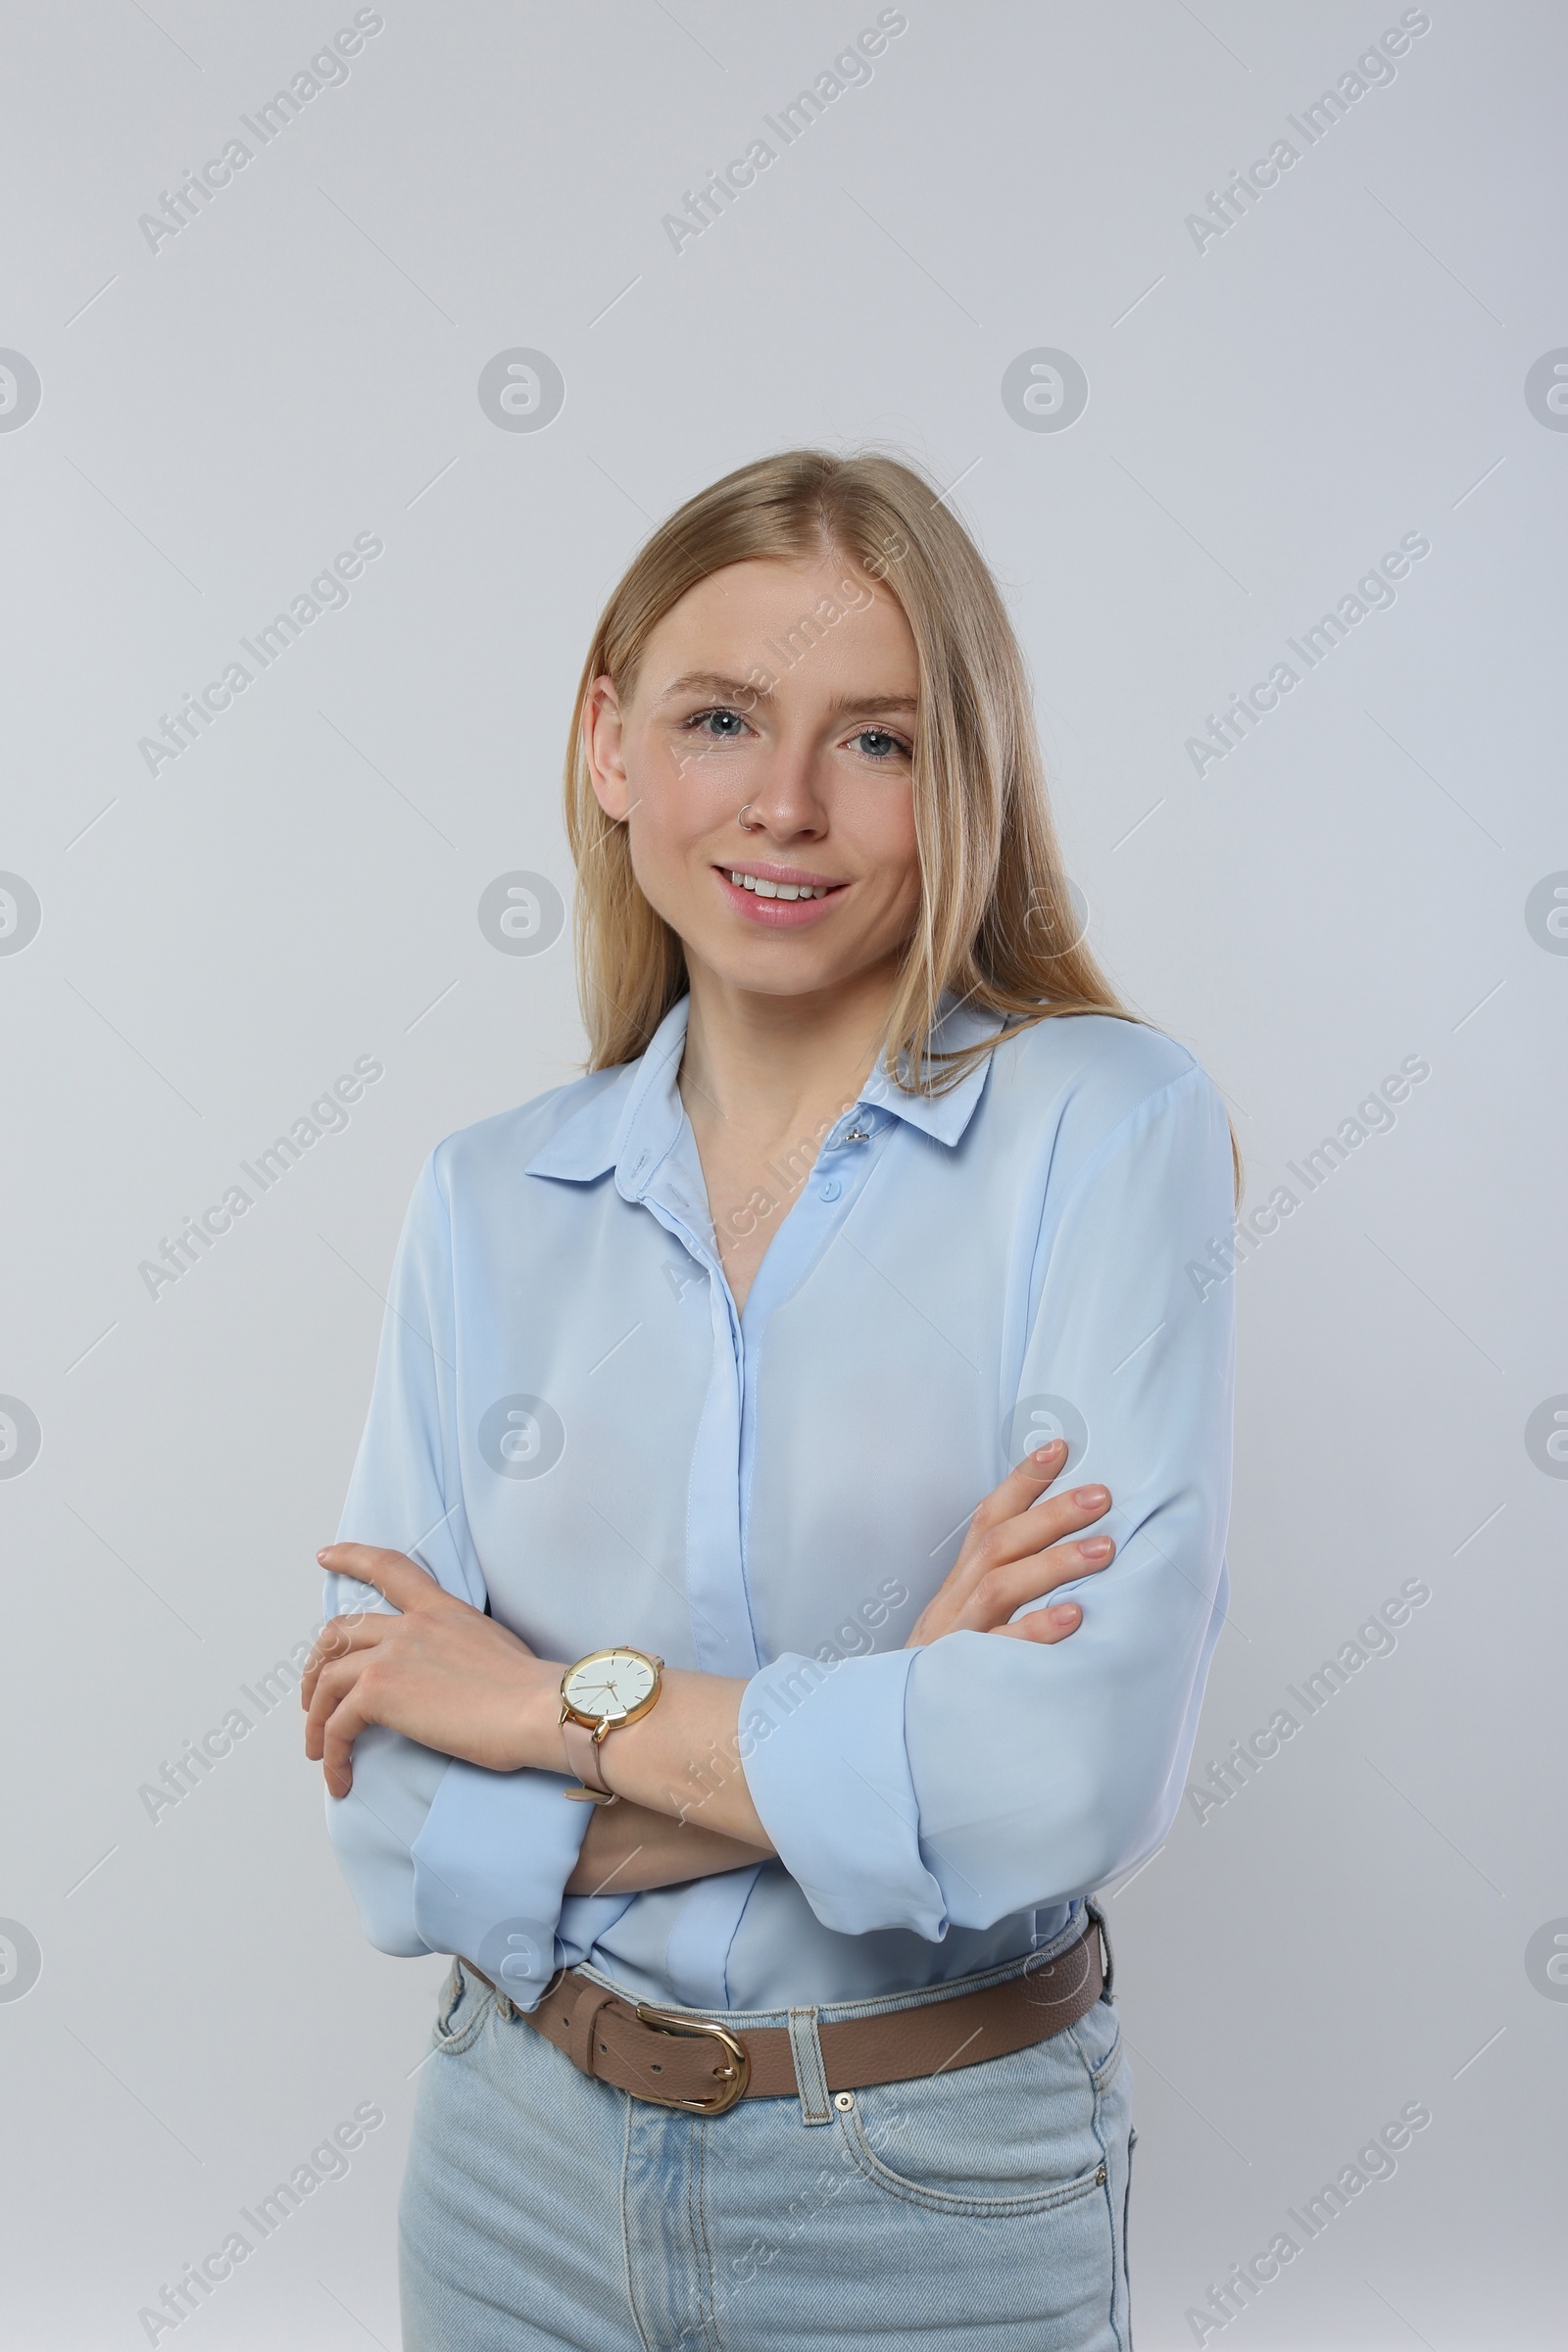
x,y
874,1205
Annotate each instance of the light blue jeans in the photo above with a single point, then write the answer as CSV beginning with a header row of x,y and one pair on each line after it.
x,y
981,2208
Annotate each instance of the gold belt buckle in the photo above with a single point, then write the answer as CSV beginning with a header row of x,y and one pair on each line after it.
x,y
734,2076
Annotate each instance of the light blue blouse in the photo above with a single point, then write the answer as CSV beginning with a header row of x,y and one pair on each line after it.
x,y
573,1426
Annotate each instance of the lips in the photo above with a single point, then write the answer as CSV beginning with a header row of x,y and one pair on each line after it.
x,y
760,897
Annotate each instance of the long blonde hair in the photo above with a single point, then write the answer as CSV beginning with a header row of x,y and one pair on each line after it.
x,y
996,924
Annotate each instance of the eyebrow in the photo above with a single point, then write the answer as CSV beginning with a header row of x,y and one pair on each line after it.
x,y
741,690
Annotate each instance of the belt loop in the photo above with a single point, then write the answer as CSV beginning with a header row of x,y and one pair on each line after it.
x,y
810,2071
1099,1917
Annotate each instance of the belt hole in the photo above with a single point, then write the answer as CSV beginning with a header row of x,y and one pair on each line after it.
x,y
844,2101
654,2066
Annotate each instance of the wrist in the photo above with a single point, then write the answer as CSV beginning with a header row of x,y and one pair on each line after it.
x,y
538,1717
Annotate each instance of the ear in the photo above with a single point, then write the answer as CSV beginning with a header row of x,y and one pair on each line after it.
x,y
603,745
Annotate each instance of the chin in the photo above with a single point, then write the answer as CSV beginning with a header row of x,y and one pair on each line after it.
x,y
775,975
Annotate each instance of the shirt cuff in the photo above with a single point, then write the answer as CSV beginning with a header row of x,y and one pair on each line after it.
x,y
490,1867
823,1750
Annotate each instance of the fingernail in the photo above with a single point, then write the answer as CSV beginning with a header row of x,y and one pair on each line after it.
x,y
1066,1612
1097,1548
1045,1454
1089,1495
321,1555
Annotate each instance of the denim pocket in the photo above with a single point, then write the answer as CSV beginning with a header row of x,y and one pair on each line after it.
x,y
1012,2137
465,2004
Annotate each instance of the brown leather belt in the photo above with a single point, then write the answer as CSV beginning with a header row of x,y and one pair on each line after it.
x,y
680,2060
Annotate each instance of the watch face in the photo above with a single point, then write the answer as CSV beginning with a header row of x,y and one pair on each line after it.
x,y
612,1683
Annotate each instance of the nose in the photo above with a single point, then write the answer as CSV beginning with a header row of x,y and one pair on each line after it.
x,y
786,800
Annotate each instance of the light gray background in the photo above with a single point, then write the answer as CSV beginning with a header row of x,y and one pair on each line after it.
x,y
1348,888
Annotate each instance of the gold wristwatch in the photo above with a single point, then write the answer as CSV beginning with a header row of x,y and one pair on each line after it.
x,y
601,1692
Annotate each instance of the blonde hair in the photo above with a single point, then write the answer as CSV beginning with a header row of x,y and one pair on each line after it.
x,y
996,924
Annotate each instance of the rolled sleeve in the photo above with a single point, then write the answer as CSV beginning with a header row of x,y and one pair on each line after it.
x,y
439,1855
978,1776
825,1760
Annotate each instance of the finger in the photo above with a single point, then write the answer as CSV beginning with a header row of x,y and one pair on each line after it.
x,y
332,1687
1020,1486
397,1578
339,1732
1046,1624
1003,1589
1024,1537
1021,1489
1044,1523
335,1640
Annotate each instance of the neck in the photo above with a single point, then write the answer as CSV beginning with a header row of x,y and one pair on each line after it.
x,y
768,1064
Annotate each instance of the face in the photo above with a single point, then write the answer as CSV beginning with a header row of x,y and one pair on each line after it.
x,y
761,764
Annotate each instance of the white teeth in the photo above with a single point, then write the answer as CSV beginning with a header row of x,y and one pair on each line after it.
x,y
778,890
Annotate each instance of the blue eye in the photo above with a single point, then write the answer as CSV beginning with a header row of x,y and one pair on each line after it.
x,y
877,744
721,726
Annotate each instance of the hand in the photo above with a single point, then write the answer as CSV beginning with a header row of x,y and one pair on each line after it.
x,y
1015,1552
440,1672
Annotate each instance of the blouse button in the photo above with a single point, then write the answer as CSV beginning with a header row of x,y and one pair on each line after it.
x,y
829,1189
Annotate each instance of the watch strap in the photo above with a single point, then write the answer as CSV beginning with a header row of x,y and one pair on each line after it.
x,y
582,1756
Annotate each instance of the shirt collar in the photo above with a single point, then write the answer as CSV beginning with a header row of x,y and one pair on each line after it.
x,y
944,1117
633,1123
630,1123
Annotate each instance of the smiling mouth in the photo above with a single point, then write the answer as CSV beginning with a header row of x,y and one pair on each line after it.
x,y
765,887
